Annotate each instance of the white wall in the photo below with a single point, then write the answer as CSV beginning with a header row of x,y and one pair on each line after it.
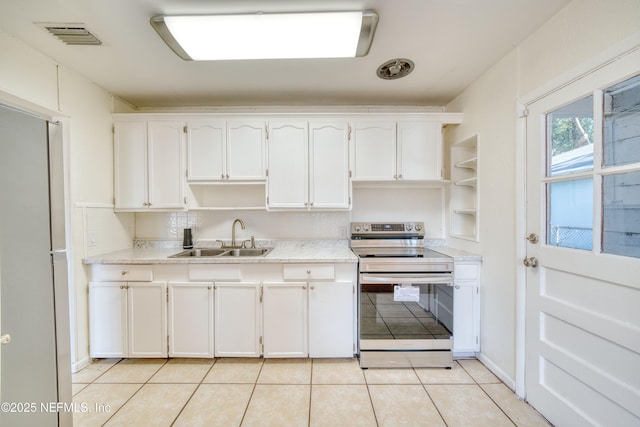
x,y
489,108
579,34
32,81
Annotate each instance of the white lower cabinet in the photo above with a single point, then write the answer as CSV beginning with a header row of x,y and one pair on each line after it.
x,y
128,319
223,310
237,319
331,319
284,319
466,306
190,319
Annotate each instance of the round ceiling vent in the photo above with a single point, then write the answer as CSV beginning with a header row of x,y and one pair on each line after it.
x,y
395,68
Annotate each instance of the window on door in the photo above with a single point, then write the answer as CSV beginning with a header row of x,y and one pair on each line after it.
x,y
593,172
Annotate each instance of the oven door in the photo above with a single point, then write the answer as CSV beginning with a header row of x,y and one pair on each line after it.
x,y
410,311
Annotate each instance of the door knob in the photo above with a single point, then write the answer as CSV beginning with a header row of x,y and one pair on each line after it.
x,y
530,262
5,339
533,238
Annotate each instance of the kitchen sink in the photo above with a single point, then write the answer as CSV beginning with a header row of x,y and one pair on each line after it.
x,y
247,252
218,252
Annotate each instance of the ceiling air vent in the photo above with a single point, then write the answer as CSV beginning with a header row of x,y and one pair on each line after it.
x,y
395,69
73,34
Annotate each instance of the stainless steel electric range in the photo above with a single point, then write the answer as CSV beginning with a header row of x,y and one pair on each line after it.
x,y
405,297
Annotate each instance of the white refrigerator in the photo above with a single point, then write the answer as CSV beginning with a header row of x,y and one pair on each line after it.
x,y
35,366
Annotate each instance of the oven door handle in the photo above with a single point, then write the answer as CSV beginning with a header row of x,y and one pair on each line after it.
x,y
445,279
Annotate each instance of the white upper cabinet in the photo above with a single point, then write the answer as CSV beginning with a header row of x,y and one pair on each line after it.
x,y
419,151
148,165
374,150
329,184
403,150
225,151
308,165
288,181
206,146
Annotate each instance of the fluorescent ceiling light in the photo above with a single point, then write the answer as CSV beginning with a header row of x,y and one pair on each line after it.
x,y
268,35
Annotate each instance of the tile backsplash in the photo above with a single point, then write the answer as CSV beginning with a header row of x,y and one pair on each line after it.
x,y
369,204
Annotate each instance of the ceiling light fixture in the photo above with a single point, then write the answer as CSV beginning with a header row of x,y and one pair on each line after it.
x,y
268,35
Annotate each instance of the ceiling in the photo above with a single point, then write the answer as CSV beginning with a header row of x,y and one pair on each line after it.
x,y
451,42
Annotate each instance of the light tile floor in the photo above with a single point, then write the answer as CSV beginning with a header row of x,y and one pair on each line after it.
x,y
291,392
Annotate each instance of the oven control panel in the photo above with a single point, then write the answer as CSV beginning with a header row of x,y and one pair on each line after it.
x,y
381,229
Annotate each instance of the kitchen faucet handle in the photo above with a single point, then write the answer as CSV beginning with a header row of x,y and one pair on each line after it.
x,y
221,243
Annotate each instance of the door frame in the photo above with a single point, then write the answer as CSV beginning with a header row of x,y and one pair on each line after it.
x,y
594,64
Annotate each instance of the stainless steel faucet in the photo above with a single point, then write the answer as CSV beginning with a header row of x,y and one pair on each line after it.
x,y
233,231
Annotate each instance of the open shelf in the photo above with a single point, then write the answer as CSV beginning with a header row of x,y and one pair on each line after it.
x,y
241,196
464,191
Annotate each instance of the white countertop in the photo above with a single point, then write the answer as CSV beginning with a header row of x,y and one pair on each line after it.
x,y
289,251
333,251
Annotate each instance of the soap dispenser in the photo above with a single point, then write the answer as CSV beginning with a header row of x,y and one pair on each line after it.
x,y
187,239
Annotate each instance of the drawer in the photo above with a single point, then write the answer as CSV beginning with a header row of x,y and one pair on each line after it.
x,y
215,272
308,271
466,271
122,273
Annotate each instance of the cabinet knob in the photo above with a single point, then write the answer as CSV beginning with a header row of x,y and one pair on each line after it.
x,y
308,271
312,287
304,287
457,286
400,176
123,272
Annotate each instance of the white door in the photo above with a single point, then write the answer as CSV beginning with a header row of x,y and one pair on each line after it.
x,y
284,312
246,150
374,151
420,150
165,165
147,318
329,165
331,319
206,143
108,319
287,186
583,280
190,319
237,319
130,152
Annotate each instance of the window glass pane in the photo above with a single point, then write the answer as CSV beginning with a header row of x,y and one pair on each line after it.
x,y
570,138
621,214
570,219
622,123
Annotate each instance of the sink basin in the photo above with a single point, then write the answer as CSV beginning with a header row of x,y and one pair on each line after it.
x,y
247,252
216,252
200,253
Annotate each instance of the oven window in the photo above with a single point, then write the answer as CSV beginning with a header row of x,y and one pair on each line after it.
x,y
383,318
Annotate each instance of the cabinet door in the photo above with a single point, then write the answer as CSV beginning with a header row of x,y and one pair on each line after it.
x,y
331,319
206,143
374,150
130,161
147,317
465,337
237,319
165,165
420,150
190,319
108,319
246,150
329,165
285,319
287,186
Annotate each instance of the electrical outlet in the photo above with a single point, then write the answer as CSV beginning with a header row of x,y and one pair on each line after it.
x,y
93,240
